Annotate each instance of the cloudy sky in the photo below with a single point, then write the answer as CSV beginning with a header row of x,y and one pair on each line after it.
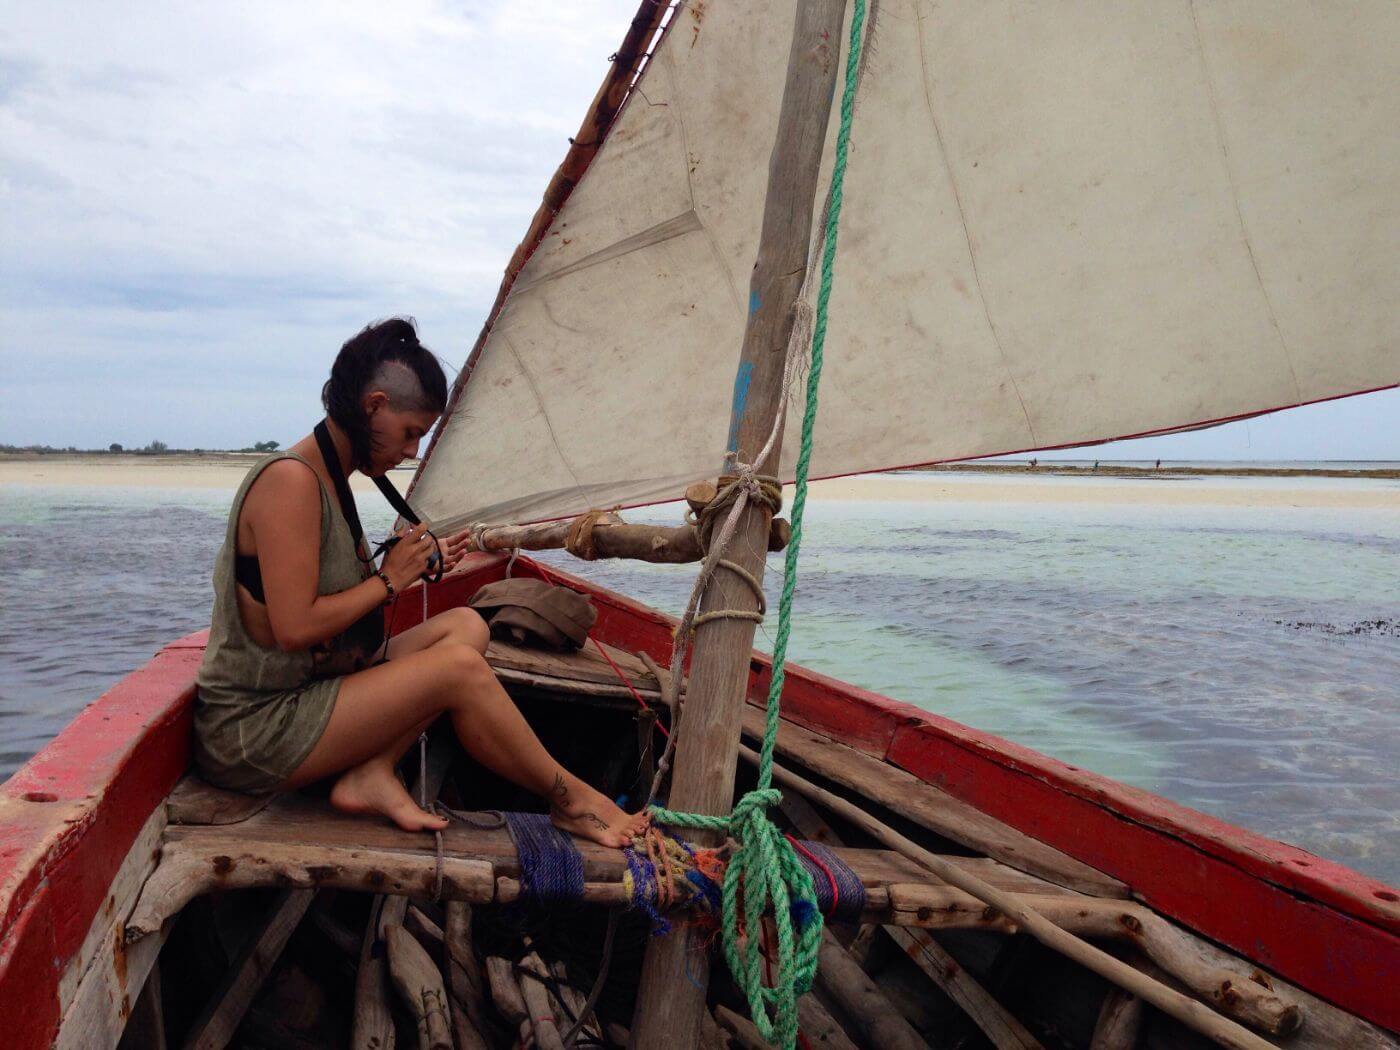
x,y
200,202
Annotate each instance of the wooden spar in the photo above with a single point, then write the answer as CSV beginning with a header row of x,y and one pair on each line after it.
x,y
612,537
676,973
1188,1011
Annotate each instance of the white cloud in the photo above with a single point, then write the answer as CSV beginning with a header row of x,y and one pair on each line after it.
x,y
223,194
200,202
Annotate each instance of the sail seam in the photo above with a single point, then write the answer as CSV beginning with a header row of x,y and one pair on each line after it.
x,y
962,220
669,64
1219,126
544,412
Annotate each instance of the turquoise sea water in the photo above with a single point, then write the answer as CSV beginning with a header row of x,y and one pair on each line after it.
x,y
1242,661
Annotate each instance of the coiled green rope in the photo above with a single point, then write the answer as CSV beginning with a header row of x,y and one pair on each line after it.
x,y
765,865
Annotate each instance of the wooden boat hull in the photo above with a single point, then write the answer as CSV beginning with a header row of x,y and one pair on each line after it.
x,y
80,825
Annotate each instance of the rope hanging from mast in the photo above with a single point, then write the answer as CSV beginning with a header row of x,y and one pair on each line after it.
x,y
764,867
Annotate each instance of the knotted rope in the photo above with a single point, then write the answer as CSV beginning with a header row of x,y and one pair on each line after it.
x,y
764,864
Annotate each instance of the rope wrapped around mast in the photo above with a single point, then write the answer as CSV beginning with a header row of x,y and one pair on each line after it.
x,y
764,864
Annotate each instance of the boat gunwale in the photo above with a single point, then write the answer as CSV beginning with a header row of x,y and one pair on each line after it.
x,y
120,757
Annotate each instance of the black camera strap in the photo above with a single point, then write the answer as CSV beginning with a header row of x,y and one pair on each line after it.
x,y
352,514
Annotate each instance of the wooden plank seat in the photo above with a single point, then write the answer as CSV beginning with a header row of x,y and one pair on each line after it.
x,y
296,842
582,672
299,841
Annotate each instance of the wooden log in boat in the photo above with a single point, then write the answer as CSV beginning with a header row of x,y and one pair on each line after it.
x,y
222,1014
743,1032
544,1013
931,808
862,1000
507,996
373,1023
1119,1021
465,980
1184,1009
1242,992
419,984
998,1024
818,1027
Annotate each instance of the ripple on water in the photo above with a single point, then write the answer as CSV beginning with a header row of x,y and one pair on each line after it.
x,y
1186,650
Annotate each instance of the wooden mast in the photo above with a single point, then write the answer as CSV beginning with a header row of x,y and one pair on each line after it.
x,y
675,975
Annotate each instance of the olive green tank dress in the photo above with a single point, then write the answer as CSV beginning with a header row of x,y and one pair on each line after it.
x,y
259,711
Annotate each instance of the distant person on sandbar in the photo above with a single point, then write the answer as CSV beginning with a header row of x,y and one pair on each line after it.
x,y
1158,466
299,682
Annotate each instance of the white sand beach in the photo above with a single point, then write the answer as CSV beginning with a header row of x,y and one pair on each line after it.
x,y
226,471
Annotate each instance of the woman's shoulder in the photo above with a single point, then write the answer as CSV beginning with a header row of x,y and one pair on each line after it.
x,y
283,476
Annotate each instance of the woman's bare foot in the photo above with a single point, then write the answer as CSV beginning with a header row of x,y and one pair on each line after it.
x,y
588,813
374,788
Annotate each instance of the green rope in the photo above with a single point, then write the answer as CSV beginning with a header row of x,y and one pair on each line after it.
x,y
775,876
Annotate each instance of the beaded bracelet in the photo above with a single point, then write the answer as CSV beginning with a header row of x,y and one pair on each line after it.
x,y
383,576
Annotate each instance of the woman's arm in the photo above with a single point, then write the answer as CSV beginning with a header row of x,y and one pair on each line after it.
x,y
283,509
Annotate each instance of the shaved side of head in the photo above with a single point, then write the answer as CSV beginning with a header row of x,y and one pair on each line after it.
x,y
401,383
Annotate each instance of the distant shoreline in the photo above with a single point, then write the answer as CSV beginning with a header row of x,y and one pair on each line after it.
x,y
1119,471
176,470
964,483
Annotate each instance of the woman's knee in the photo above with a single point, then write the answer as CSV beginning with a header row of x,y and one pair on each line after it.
x,y
463,669
467,626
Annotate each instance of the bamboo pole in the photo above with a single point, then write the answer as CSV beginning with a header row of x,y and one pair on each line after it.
x,y
1188,1011
676,973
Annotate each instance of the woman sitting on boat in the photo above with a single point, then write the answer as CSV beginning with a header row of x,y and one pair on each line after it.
x,y
298,682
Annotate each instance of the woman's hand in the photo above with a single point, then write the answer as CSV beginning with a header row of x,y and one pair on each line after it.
x,y
454,549
407,560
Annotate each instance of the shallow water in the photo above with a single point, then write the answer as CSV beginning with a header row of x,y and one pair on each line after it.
x,y
1241,661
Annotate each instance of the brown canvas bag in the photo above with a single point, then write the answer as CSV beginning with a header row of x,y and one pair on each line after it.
x,y
532,612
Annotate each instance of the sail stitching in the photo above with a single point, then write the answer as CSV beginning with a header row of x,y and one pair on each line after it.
x,y
544,414
967,234
1219,126
668,64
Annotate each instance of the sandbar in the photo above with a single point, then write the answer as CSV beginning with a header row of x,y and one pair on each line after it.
x,y
963,485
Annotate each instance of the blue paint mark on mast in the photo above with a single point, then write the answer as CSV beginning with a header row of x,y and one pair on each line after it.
x,y
741,399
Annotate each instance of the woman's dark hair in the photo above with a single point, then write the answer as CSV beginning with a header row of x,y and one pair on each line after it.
x,y
361,362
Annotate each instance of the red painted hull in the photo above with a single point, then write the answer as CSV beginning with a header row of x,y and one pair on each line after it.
x,y
71,814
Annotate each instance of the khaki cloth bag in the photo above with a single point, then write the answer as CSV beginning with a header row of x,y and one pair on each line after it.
x,y
532,612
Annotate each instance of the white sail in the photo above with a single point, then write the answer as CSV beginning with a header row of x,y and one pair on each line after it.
x,y
1064,223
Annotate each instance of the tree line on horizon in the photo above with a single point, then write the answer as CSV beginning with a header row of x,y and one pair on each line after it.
x,y
155,448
